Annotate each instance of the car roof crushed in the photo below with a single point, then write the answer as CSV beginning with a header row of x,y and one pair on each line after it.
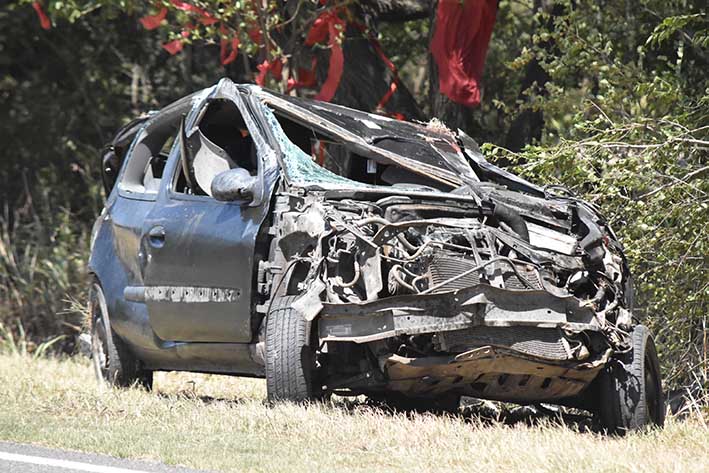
x,y
431,151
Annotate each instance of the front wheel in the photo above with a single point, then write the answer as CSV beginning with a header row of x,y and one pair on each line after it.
x,y
113,361
631,387
290,357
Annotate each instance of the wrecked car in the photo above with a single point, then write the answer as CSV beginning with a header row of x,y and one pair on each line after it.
x,y
333,251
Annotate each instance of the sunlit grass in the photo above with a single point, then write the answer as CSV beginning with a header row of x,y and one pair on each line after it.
x,y
222,423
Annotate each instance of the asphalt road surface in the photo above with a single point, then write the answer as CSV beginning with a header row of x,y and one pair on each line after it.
x,y
19,458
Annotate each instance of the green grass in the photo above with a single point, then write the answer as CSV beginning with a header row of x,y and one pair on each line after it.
x,y
221,423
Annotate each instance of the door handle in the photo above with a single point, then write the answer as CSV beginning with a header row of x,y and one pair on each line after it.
x,y
156,236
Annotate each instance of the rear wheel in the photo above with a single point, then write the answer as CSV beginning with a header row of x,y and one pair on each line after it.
x,y
113,361
290,357
630,387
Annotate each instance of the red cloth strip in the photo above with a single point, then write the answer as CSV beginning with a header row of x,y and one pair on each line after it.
x,y
173,47
384,100
275,68
43,19
459,46
176,45
225,56
184,6
150,22
229,57
255,34
306,78
334,70
207,18
328,26
395,83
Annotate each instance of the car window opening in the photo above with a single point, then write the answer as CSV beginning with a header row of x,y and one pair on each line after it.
x,y
145,167
157,162
220,142
113,154
337,157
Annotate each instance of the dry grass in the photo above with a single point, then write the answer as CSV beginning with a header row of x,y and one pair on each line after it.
x,y
221,423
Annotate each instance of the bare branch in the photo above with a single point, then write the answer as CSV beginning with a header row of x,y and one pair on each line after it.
x,y
684,180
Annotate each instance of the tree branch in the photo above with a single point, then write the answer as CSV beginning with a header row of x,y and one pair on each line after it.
x,y
396,11
684,180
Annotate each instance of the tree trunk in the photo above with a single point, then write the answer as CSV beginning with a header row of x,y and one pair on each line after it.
x,y
527,127
453,114
366,79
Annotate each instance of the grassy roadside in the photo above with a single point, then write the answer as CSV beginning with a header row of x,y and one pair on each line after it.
x,y
221,423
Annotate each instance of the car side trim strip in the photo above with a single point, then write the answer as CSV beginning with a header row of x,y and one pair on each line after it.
x,y
181,294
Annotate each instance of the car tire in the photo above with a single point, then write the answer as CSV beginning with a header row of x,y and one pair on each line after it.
x,y
113,361
290,358
630,387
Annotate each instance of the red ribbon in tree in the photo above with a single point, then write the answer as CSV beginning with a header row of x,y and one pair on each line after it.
x,y
225,55
208,20
150,22
255,34
390,65
175,46
43,19
459,46
275,68
206,17
306,78
188,7
326,26
229,57
387,96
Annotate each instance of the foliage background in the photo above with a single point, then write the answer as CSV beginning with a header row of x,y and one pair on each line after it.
x,y
609,98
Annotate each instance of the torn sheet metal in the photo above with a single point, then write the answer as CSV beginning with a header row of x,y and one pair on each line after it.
x,y
181,294
490,373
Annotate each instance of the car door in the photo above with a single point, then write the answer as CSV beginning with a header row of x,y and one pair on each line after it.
x,y
129,204
200,264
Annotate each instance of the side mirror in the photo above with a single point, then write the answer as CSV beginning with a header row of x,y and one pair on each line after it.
x,y
234,185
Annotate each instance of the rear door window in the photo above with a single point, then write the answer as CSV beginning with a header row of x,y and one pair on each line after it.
x,y
145,163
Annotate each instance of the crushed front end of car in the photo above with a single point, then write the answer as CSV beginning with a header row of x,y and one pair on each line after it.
x,y
433,296
468,281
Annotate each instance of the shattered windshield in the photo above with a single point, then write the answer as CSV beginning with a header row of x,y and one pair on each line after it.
x,y
298,165
333,145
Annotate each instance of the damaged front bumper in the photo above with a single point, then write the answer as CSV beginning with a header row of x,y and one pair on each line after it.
x,y
480,305
506,344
